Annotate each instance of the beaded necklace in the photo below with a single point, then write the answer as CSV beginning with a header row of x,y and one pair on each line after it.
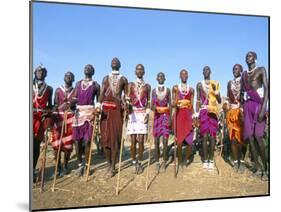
x,y
184,88
236,87
161,94
206,86
39,92
250,72
86,83
67,91
114,81
138,89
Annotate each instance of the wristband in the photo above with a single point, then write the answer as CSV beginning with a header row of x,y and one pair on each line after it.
x,y
98,105
147,110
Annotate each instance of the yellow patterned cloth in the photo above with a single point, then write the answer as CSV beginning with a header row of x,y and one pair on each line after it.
x,y
184,103
213,104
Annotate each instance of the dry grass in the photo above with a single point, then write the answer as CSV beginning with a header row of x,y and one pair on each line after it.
x,y
192,183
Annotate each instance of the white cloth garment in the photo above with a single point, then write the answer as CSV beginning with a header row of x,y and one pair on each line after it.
x,y
136,123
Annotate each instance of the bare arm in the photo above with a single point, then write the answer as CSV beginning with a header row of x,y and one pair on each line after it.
x,y
228,90
129,88
102,91
126,88
148,96
125,85
56,99
242,90
218,96
169,102
50,105
170,106
97,94
152,104
198,89
174,96
192,98
265,87
74,99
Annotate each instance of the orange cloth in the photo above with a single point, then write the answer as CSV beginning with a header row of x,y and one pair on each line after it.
x,y
234,124
162,109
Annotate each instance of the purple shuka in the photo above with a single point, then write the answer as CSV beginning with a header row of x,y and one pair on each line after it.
x,y
161,120
251,110
208,122
85,96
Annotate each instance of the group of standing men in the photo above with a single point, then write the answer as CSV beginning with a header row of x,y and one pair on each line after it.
x,y
116,101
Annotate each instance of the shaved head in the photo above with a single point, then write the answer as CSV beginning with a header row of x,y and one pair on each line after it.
x,y
115,63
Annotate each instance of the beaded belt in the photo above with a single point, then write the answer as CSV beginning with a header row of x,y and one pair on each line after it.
x,y
139,109
109,105
36,110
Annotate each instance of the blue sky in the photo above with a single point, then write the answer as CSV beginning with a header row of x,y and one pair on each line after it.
x,y
67,37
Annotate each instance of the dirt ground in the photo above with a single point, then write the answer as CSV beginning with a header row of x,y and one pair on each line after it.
x,y
191,183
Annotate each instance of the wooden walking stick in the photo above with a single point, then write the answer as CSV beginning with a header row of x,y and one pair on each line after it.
x,y
63,127
151,137
43,163
121,149
90,150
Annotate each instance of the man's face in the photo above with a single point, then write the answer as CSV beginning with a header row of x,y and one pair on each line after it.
x,y
115,64
236,71
250,58
184,76
88,71
206,72
161,78
68,78
40,74
139,71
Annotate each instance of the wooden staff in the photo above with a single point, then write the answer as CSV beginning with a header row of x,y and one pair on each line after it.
x,y
63,127
121,150
42,169
90,150
150,138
